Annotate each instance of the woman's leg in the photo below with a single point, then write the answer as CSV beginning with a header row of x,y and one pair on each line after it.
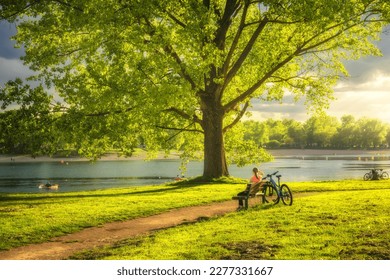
x,y
241,201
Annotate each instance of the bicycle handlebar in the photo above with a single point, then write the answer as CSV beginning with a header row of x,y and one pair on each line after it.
x,y
269,175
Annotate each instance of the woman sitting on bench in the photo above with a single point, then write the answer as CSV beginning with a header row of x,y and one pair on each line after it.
x,y
255,180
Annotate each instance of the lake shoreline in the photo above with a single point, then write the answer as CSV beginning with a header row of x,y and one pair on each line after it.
x,y
277,153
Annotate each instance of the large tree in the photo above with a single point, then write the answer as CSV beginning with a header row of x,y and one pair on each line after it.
x,y
154,68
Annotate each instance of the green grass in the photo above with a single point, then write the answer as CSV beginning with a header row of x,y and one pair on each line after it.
x,y
334,225
341,220
35,218
344,185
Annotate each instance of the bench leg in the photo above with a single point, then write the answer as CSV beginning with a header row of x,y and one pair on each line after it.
x,y
246,203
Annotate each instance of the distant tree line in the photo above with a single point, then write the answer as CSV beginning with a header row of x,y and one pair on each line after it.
x,y
33,130
320,131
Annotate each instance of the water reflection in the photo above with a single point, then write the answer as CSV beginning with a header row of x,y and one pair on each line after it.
x,y
340,157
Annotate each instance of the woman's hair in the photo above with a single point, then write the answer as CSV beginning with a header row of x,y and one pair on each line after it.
x,y
255,170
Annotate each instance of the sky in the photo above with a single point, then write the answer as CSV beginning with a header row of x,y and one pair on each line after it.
x,y
366,93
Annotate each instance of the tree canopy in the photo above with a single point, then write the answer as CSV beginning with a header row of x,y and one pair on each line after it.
x,y
182,74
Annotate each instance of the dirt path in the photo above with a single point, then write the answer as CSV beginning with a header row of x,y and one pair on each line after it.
x,y
65,246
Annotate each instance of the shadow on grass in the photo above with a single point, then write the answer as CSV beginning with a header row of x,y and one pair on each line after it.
x,y
249,250
180,185
29,197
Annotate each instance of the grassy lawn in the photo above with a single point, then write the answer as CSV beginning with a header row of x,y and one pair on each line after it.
x,y
343,220
35,218
333,225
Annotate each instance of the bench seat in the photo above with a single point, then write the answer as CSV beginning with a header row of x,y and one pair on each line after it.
x,y
246,198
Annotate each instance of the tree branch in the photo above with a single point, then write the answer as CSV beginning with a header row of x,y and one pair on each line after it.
x,y
170,15
69,52
67,5
175,19
102,114
275,21
230,105
330,28
301,50
184,115
28,6
236,39
237,65
179,129
238,117
224,23
169,50
185,129
146,75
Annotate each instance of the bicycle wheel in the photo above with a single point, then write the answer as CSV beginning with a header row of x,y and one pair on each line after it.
x,y
384,175
286,194
367,176
270,194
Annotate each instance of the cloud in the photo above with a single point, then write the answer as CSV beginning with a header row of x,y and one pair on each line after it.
x,y
366,93
367,68
7,49
287,109
377,81
14,68
11,66
362,104
366,98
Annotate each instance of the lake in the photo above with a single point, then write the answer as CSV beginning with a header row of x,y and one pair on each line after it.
x,y
83,175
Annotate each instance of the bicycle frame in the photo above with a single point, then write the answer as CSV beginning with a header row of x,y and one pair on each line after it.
x,y
272,181
282,192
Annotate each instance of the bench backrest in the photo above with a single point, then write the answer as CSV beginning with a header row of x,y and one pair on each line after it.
x,y
255,189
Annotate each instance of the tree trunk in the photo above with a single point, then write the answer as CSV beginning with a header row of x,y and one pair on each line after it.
x,y
214,152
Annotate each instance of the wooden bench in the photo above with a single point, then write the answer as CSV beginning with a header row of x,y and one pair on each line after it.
x,y
253,192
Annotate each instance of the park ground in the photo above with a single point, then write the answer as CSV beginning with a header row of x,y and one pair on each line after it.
x,y
328,220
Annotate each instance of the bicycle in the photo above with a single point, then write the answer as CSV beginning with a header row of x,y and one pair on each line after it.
x,y
273,192
376,174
